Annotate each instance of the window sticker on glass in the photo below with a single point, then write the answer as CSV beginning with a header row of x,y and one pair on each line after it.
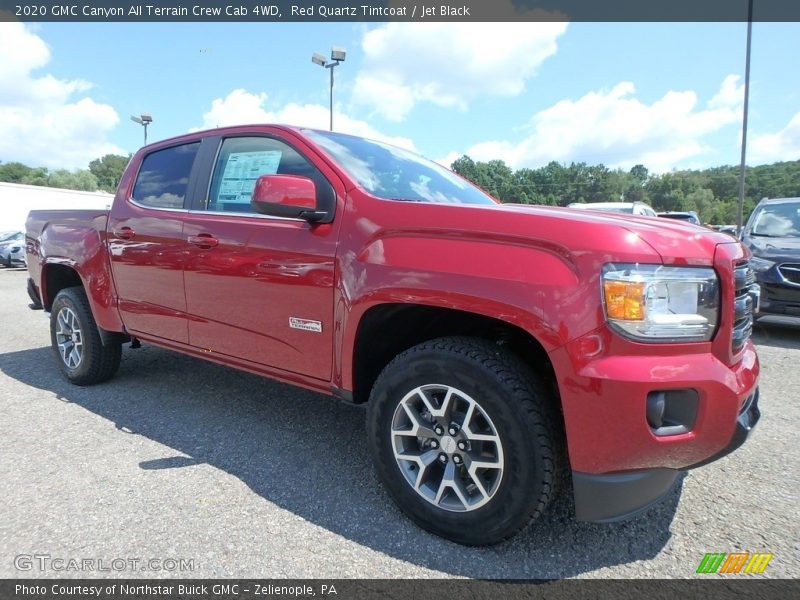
x,y
241,172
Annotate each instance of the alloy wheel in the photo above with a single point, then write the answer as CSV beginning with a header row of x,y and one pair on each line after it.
x,y
69,338
447,447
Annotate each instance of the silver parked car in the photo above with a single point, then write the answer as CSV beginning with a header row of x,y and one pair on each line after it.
x,y
632,208
12,249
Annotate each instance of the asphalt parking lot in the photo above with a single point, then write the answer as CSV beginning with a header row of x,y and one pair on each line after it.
x,y
178,459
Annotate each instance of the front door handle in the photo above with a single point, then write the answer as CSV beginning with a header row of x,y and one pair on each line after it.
x,y
125,233
204,240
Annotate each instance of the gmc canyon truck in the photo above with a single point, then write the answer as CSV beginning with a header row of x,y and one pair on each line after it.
x,y
506,353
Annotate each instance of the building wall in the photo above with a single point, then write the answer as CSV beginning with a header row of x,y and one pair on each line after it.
x,y
16,200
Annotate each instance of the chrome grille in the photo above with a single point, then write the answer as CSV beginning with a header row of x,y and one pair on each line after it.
x,y
791,273
743,278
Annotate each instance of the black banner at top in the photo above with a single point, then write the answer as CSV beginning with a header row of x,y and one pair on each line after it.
x,y
396,10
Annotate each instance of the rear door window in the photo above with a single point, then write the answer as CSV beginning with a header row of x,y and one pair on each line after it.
x,y
164,176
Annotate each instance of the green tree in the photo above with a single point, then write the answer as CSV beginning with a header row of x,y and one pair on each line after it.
x,y
712,192
639,173
108,170
465,167
494,177
16,172
701,200
73,180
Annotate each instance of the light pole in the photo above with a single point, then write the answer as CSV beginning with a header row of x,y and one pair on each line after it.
x,y
144,120
337,56
742,165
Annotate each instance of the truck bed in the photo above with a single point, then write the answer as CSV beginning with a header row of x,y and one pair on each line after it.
x,y
39,220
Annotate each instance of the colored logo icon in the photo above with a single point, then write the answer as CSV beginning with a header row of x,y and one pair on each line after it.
x,y
736,562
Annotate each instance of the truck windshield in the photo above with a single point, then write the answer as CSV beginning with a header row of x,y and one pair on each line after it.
x,y
778,220
392,173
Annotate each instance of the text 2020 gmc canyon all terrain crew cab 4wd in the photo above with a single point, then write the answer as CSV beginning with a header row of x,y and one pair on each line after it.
x,y
496,345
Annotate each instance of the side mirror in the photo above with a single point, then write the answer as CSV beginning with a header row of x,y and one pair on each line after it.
x,y
288,196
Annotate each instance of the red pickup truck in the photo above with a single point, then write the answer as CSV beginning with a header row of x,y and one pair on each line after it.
x,y
498,346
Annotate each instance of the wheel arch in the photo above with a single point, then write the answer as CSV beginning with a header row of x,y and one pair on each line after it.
x,y
388,329
57,276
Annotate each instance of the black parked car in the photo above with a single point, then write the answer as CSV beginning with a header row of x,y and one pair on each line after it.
x,y
773,235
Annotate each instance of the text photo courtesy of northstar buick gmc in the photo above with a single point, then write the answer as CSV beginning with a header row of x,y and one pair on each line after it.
x,y
498,347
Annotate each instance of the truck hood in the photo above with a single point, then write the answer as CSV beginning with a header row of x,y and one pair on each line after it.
x,y
677,242
774,249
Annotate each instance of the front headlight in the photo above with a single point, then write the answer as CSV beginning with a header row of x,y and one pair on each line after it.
x,y
661,304
760,265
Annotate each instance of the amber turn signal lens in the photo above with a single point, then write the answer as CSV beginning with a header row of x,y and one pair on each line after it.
x,y
624,300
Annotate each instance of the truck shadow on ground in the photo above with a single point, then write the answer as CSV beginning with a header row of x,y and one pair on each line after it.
x,y
778,332
307,454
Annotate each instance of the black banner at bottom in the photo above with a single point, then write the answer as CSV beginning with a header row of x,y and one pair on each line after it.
x,y
356,589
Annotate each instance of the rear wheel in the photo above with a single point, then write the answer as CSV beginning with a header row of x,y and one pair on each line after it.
x,y
464,437
76,340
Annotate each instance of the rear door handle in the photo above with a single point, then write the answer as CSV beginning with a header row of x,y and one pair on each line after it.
x,y
125,233
204,240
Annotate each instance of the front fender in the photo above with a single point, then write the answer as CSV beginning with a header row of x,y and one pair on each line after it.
x,y
510,282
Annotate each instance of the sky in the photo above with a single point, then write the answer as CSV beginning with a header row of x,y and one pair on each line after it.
x,y
666,95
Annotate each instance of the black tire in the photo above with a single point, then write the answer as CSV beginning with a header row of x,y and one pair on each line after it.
x,y
521,411
97,362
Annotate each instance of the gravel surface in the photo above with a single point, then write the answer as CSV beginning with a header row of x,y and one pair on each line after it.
x,y
176,458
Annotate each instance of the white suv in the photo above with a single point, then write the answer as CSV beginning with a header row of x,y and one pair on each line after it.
x,y
632,208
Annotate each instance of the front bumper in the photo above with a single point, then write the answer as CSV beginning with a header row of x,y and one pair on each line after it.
x,y
604,397
619,496
607,498
778,297
622,462
747,420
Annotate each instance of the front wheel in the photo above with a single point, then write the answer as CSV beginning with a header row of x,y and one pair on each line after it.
x,y
76,340
465,439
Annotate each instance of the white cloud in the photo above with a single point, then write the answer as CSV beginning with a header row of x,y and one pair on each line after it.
x,y
773,147
242,107
449,64
41,120
449,158
617,129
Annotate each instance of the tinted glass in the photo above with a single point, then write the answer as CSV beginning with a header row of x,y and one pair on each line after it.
x,y
395,174
242,161
164,176
777,220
